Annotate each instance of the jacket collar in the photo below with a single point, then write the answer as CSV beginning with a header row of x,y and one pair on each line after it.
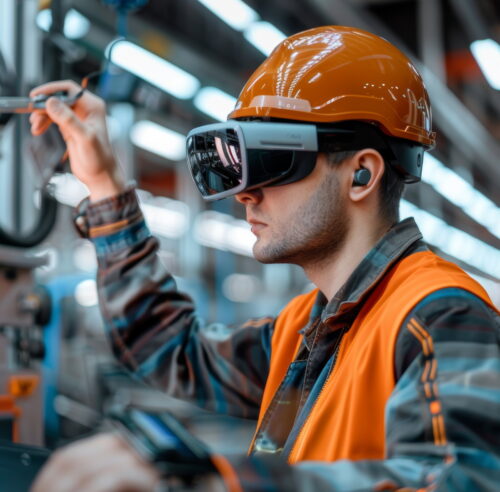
x,y
402,239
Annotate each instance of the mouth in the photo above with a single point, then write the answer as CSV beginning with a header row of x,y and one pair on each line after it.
x,y
256,226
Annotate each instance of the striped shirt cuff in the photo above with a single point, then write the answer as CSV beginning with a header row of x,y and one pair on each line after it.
x,y
108,216
113,213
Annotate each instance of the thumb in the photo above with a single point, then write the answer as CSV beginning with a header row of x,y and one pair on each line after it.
x,y
64,117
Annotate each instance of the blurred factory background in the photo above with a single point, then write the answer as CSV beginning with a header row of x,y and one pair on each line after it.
x,y
181,64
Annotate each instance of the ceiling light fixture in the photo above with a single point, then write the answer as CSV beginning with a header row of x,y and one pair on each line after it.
x,y
158,140
171,222
234,13
76,25
214,102
153,69
453,241
264,36
237,14
487,55
224,232
461,193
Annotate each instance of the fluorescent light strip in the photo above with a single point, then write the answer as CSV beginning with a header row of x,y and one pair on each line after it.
x,y
159,140
76,25
214,102
264,36
237,14
453,241
153,69
224,232
169,222
234,13
164,216
487,55
462,194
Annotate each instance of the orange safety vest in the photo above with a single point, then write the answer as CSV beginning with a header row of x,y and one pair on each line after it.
x,y
347,420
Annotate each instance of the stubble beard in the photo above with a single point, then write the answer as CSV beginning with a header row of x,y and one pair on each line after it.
x,y
314,235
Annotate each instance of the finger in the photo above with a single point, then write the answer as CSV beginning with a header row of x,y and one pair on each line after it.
x,y
39,123
36,117
77,470
61,85
43,127
126,478
50,471
65,118
100,464
85,104
63,471
119,470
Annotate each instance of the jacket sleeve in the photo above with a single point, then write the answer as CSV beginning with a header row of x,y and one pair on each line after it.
x,y
154,329
442,419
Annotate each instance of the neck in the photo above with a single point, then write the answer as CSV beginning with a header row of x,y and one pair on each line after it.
x,y
331,273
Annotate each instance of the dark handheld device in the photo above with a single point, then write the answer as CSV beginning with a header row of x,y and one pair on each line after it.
x,y
19,464
30,104
164,441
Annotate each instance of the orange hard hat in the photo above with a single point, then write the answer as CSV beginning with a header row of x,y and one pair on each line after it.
x,y
333,73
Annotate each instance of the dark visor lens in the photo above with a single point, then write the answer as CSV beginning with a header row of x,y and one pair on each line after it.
x,y
215,161
228,158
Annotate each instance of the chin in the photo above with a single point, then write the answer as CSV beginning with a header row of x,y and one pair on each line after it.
x,y
267,254
259,253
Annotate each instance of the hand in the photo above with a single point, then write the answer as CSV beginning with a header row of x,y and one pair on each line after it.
x,y
84,130
103,463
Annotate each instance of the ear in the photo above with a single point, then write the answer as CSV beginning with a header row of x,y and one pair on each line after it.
x,y
371,160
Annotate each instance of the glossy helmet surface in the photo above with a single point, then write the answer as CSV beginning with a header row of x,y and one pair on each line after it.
x,y
333,73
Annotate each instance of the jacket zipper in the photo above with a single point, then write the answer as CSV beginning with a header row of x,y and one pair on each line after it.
x,y
270,409
330,375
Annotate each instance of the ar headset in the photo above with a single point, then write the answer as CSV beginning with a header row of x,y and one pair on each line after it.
x,y
227,158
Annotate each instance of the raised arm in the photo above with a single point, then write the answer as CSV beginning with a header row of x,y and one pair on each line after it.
x,y
153,328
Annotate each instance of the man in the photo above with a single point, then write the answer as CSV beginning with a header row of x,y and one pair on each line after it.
x,y
385,377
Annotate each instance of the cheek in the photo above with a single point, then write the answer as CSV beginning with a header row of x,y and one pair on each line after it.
x,y
284,201
285,213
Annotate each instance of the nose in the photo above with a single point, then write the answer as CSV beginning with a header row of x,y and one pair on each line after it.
x,y
248,197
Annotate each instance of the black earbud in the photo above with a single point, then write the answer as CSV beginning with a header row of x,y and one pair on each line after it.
x,y
361,177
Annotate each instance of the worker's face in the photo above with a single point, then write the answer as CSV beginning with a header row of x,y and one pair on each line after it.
x,y
302,222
